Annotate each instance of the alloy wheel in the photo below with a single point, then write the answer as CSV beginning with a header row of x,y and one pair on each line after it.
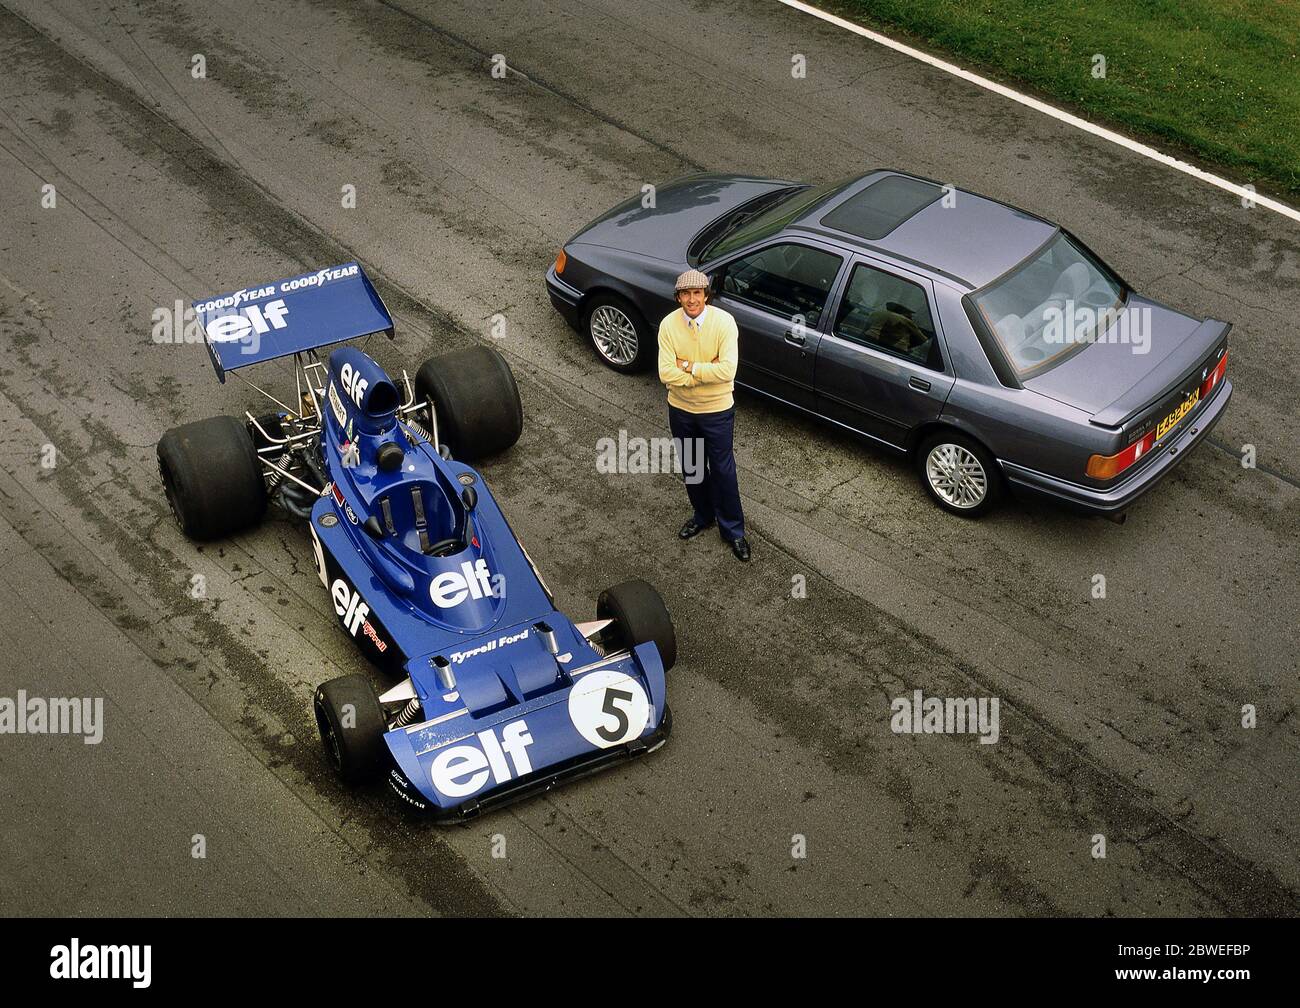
x,y
614,335
956,475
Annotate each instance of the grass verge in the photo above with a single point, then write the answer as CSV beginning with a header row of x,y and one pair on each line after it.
x,y
1219,79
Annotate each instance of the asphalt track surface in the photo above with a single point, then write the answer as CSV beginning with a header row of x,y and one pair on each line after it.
x,y
1119,716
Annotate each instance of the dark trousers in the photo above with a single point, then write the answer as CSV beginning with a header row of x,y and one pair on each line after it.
x,y
714,493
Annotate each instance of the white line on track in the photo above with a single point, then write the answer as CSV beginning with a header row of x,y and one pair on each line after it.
x,y
1050,110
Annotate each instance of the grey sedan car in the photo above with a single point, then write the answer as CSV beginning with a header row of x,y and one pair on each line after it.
x,y
989,345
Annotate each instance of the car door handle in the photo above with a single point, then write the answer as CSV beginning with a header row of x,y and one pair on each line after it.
x,y
920,384
795,338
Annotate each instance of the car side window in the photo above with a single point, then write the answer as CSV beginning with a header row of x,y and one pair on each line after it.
x,y
888,313
789,280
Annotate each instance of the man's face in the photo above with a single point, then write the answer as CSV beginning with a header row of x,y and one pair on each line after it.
x,y
692,300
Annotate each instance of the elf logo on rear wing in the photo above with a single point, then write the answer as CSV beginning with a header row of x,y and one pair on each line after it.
x,y
265,321
251,320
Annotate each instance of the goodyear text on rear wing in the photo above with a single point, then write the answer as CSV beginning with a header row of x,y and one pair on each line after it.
x,y
289,316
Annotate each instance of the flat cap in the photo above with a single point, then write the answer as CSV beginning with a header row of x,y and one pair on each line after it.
x,y
691,280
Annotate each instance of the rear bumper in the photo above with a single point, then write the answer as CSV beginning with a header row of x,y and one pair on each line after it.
x,y
534,784
1112,502
564,298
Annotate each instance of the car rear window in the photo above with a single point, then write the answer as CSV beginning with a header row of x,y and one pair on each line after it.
x,y
1050,306
882,206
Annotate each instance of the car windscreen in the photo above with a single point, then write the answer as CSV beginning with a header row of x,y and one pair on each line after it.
x,y
747,230
1050,306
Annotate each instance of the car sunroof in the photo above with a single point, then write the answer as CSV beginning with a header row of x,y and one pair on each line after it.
x,y
882,206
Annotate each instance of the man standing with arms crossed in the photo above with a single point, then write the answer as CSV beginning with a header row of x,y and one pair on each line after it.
x,y
698,354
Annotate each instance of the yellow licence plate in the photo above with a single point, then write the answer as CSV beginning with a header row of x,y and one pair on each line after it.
x,y
1172,420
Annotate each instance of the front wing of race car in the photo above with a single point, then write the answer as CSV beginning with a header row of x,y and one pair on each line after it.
x,y
458,766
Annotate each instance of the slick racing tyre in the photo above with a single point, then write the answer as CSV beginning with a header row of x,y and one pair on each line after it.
x,y
212,477
474,392
619,334
959,474
640,617
351,725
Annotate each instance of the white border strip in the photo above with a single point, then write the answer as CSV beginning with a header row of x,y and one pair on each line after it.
x,y
1050,110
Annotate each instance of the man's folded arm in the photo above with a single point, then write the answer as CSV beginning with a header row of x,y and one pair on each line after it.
x,y
724,368
669,372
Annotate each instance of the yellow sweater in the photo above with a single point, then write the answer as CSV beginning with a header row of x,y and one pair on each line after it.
x,y
713,350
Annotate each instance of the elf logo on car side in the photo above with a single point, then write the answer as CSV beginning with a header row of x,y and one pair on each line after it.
x,y
461,770
251,318
450,588
319,552
353,384
350,606
352,610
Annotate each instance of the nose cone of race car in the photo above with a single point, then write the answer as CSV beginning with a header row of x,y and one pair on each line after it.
x,y
526,725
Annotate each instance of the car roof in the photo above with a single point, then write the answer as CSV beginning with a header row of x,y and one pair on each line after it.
x,y
951,234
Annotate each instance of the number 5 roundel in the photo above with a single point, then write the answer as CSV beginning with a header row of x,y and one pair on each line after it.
x,y
608,708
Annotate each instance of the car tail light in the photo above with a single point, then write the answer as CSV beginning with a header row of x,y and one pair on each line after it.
x,y
1214,377
561,261
1109,466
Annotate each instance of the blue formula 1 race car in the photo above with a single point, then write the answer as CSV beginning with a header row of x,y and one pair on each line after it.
x,y
492,694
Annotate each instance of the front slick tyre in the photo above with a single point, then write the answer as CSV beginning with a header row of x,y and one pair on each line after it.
x,y
640,617
351,725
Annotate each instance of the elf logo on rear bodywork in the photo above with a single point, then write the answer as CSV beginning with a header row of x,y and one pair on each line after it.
x,y
353,384
461,770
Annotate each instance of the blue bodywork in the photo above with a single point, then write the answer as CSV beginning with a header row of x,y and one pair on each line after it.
x,y
513,697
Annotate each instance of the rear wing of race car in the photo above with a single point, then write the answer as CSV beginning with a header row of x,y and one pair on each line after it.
x,y
286,317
